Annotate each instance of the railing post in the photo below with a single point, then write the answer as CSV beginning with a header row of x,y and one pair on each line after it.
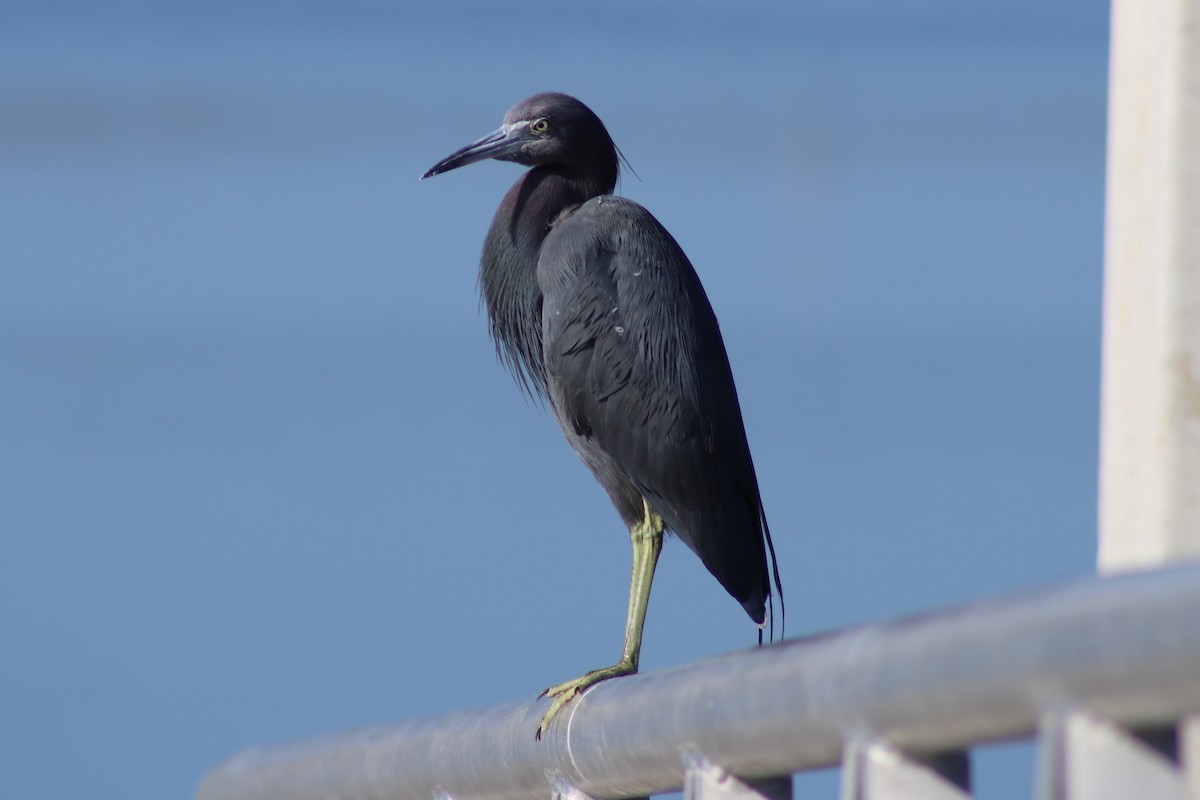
x,y
1085,758
1189,754
878,771
704,780
562,789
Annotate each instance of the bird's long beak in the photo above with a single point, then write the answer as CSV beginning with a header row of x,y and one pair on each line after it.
x,y
505,141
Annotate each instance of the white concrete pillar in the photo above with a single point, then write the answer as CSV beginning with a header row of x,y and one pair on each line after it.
x,y
1150,428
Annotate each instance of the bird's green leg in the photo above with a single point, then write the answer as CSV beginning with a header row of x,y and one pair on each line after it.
x,y
647,538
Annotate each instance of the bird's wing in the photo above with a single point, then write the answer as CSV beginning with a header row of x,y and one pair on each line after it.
x,y
641,384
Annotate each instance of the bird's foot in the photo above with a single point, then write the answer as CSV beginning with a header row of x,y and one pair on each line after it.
x,y
564,692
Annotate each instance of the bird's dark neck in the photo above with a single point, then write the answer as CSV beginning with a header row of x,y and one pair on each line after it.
x,y
508,269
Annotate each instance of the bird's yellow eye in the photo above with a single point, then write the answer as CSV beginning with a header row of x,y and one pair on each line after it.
x,y
540,126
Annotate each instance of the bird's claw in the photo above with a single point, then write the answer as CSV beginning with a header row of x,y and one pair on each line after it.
x,y
566,691
562,694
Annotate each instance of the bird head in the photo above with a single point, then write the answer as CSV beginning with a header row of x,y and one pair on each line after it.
x,y
548,129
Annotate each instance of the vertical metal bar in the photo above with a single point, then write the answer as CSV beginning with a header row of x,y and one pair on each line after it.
x,y
878,771
562,789
1189,753
704,780
1051,778
1085,758
1150,420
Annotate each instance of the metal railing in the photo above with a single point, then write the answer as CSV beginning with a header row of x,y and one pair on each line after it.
x,y
897,704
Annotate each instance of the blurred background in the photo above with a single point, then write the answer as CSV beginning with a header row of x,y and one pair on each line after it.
x,y
261,476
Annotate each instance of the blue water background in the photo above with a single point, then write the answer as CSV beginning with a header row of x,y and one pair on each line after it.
x,y
261,476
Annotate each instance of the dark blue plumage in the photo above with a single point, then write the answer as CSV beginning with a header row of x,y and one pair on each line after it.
x,y
595,307
640,382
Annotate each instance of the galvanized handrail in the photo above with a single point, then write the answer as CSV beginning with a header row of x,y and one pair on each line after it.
x,y
1124,648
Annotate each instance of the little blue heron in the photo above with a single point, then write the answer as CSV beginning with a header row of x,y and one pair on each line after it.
x,y
594,307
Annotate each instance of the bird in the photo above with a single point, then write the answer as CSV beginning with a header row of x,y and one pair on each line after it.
x,y
595,309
